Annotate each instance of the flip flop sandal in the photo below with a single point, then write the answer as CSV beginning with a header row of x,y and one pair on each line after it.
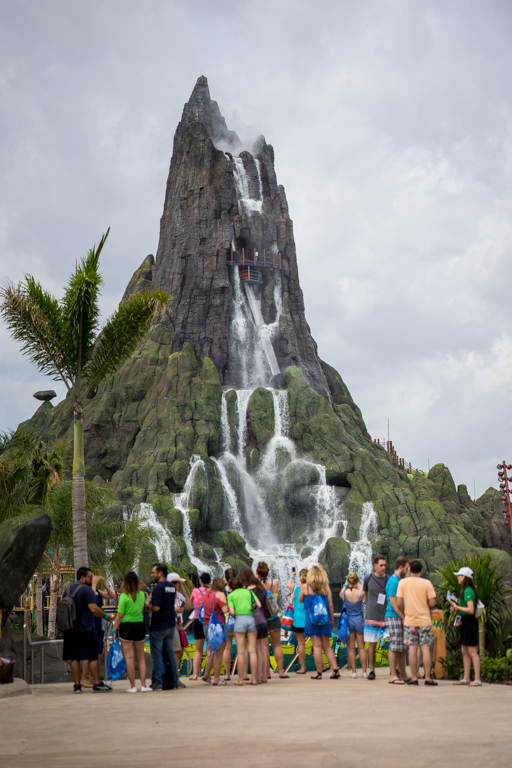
x,y
397,681
284,677
335,674
318,676
475,684
301,673
461,682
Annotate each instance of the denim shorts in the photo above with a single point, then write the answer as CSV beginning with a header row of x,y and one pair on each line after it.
x,y
245,623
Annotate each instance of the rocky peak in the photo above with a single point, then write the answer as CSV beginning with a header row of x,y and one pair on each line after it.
x,y
201,109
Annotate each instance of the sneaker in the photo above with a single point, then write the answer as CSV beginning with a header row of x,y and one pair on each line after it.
x,y
181,685
354,674
130,690
101,688
146,689
371,676
365,675
77,688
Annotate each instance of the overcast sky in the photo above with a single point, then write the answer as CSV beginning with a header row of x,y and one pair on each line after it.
x,y
392,127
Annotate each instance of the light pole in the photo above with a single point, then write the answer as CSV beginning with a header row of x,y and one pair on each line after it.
x,y
505,491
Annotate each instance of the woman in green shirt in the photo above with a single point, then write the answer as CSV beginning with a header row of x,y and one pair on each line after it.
x,y
466,607
240,604
130,625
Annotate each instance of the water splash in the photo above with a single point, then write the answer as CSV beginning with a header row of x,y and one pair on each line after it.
x,y
182,502
166,546
245,202
361,556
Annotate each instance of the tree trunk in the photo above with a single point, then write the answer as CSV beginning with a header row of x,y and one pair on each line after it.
x,y
54,595
39,602
481,638
27,611
80,552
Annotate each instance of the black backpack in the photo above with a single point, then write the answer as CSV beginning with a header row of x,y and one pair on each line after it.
x,y
67,614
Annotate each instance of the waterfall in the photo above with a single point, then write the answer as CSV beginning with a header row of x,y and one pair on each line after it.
x,y
182,502
246,203
165,545
264,337
224,424
361,556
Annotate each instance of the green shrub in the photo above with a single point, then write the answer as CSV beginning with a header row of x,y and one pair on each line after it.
x,y
453,665
497,669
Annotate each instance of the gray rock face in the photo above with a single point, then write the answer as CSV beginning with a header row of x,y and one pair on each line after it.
x,y
23,540
202,220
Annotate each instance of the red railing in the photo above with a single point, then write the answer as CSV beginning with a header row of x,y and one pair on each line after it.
x,y
406,466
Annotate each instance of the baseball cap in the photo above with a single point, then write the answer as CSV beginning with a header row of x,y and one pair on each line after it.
x,y
464,572
177,577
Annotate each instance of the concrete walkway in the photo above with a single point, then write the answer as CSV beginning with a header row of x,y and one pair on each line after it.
x,y
296,723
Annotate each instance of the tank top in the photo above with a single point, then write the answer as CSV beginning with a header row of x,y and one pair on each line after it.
x,y
208,606
299,612
354,609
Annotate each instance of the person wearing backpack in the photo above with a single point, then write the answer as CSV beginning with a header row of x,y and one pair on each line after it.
x,y
214,602
75,618
466,608
197,597
317,598
271,586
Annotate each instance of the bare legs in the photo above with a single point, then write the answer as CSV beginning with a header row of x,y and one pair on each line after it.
x,y
371,656
414,662
263,661
127,649
198,655
240,638
275,639
321,642
301,650
351,651
470,654
227,657
217,663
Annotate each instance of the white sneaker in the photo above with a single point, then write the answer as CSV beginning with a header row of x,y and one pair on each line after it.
x,y
365,674
131,690
146,689
354,674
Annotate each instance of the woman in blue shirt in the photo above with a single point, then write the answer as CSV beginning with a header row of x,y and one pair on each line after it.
x,y
299,618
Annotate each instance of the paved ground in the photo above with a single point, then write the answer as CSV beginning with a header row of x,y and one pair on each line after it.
x,y
299,723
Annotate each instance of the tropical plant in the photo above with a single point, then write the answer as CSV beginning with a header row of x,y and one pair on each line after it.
x,y
497,669
15,471
61,338
492,590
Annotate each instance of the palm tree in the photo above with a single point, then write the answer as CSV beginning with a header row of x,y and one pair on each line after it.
x,y
61,338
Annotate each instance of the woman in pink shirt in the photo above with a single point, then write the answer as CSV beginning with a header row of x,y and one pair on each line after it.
x,y
214,600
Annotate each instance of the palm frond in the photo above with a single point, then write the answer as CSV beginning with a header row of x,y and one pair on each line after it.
x,y
80,308
121,334
34,320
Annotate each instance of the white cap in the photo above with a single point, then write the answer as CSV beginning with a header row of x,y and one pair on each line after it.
x,y
464,572
174,577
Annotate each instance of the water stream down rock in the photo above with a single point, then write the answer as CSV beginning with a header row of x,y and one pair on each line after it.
x,y
225,430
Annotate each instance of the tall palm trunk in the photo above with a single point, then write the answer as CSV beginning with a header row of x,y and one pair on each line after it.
x,y
39,601
27,611
54,594
80,552
481,638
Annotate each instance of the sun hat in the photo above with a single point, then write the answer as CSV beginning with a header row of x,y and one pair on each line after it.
x,y
465,571
174,577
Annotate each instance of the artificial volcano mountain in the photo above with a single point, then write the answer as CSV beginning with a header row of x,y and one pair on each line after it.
x,y
225,429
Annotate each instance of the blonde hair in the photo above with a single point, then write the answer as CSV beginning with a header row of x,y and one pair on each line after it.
x,y
317,580
352,579
303,575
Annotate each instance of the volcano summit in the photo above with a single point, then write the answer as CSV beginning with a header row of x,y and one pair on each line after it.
x,y
225,429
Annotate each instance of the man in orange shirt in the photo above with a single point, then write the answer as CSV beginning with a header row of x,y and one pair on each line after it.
x,y
419,597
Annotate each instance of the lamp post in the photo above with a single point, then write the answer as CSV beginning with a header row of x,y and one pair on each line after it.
x,y
505,490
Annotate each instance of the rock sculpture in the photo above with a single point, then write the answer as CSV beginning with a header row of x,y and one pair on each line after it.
x,y
225,424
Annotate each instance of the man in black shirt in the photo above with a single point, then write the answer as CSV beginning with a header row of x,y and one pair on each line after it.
x,y
162,626
80,643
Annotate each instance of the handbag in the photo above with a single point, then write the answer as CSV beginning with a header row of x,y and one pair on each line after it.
x,y
342,630
287,618
259,617
116,665
183,638
271,608
215,634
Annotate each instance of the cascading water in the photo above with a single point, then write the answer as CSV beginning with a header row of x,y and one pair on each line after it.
x,y
165,545
182,502
361,555
242,186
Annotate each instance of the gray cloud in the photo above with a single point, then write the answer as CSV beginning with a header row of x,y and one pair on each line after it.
x,y
391,123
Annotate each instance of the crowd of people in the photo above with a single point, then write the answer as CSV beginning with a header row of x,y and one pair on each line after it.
x,y
244,608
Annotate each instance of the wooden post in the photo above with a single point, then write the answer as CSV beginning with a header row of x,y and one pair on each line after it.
x,y
255,256
440,642
243,256
231,255
279,261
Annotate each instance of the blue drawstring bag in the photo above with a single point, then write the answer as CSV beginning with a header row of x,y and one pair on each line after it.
x,y
319,612
230,624
342,630
116,665
215,635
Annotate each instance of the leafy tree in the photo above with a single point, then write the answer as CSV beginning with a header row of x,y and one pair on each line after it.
x,y
492,590
61,338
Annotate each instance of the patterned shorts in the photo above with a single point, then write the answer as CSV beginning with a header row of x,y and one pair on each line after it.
x,y
418,635
396,634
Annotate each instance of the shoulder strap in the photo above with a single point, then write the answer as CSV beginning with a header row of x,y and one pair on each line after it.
x,y
76,590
